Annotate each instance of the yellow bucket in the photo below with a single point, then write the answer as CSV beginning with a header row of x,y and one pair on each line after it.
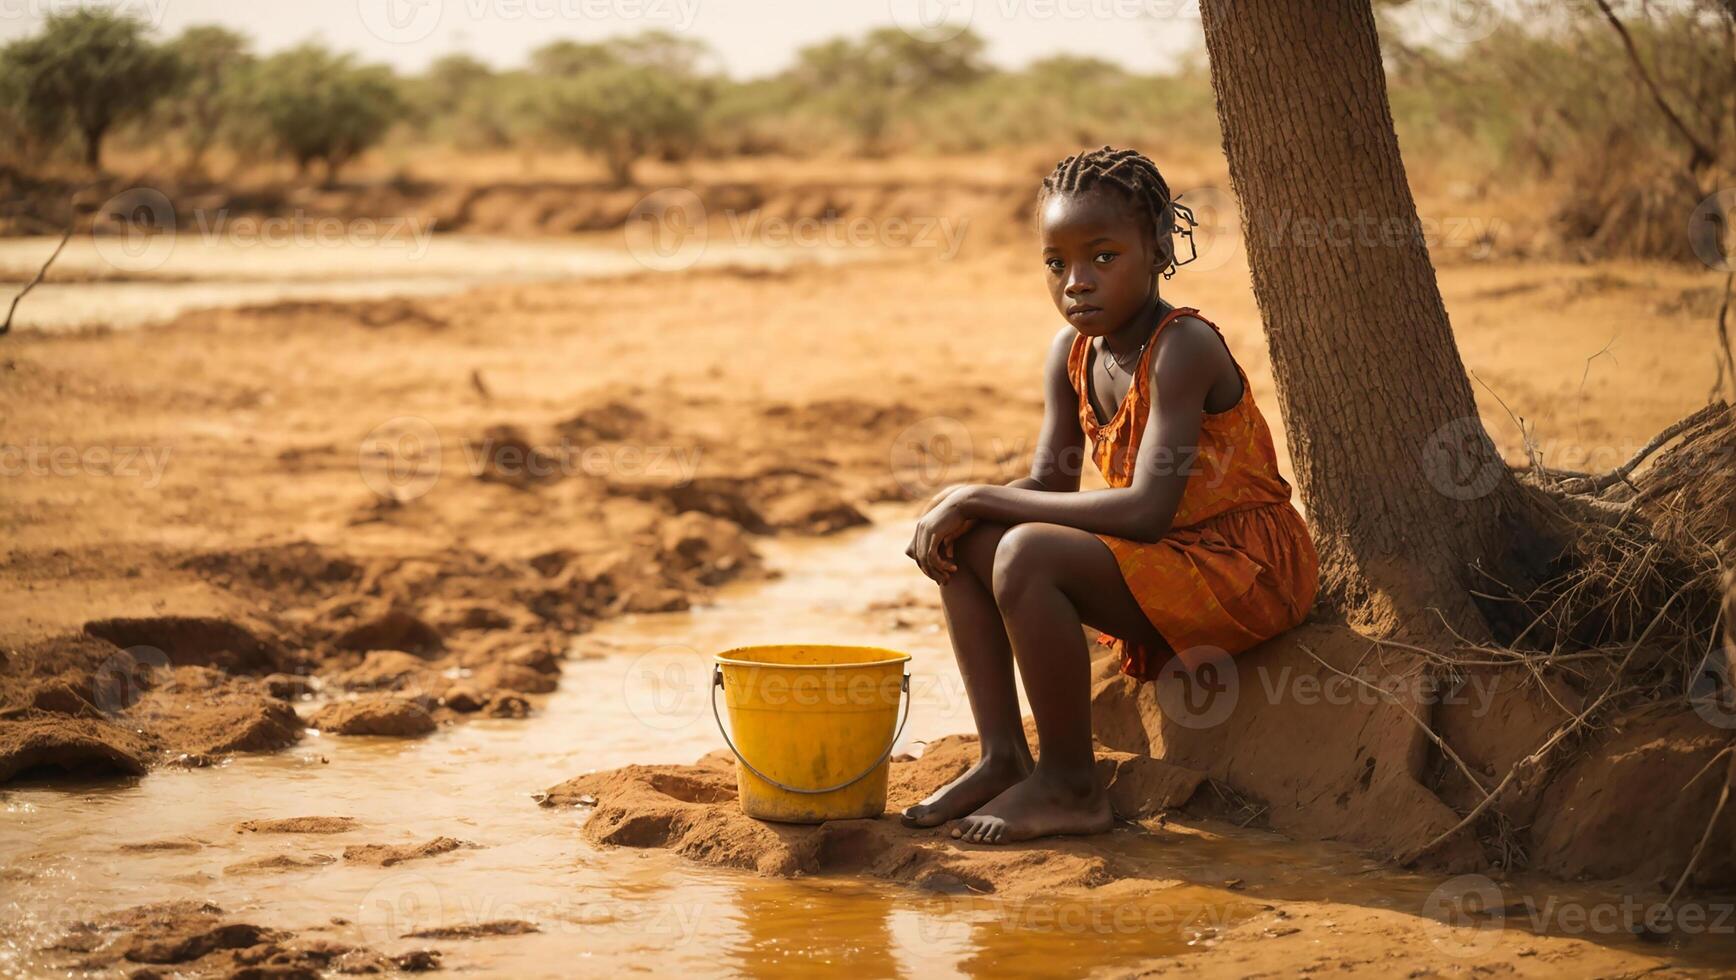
x,y
812,727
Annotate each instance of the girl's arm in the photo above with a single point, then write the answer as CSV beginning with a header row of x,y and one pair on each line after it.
x,y
1055,466
1060,455
1189,358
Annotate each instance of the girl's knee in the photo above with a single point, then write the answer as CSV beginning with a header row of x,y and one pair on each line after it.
x,y
1023,561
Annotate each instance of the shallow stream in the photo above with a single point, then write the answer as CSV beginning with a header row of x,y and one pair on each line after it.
x,y
635,693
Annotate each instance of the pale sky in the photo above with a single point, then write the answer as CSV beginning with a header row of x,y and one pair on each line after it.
x,y
751,37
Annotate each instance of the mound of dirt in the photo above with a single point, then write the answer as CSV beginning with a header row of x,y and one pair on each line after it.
x,y
692,810
1318,755
376,715
197,939
388,670
386,855
393,629
300,566
48,743
197,641
1290,714
1677,764
199,711
778,499
611,421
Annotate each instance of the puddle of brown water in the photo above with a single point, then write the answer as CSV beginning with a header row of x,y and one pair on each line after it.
x,y
63,856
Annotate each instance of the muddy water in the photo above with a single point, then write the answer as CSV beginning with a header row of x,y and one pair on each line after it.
x,y
637,695
116,282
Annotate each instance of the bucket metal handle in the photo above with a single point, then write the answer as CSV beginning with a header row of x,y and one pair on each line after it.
x,y
904,716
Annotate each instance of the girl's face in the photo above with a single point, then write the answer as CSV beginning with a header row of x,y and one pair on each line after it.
x,y
1102,266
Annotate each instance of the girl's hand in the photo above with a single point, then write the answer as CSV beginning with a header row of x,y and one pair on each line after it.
x,y
940,496
931,547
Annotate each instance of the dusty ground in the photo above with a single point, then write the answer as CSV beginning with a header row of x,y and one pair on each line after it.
x,y
381,518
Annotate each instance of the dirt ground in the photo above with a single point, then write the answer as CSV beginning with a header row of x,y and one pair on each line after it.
x,y
405,508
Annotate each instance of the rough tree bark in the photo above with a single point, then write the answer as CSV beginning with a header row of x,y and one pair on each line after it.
x,y
1411,505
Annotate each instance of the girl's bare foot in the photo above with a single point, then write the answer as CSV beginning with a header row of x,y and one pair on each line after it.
x,y
980,784
1040,806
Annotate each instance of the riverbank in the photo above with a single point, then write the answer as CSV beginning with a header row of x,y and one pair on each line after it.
x,y
424,506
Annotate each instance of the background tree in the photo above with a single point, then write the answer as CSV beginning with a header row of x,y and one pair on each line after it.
x,y
213,63
625,101
868,82
317,105
1410,502
88,70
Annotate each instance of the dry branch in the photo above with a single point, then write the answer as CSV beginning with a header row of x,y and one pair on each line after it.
x,y
6,328
1704,155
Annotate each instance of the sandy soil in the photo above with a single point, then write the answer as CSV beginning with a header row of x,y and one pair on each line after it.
x,y
385,517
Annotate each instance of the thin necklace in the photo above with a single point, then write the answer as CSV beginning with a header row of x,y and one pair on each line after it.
x,y
1115,360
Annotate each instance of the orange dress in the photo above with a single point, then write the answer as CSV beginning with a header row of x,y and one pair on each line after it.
x,y
1237,566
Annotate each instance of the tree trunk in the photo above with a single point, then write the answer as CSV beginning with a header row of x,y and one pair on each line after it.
x,y
93,149
1410,503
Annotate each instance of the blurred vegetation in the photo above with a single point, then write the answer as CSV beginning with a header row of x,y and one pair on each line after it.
x,y
1624,111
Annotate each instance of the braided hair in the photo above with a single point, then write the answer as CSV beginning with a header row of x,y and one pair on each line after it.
x,y
1136,178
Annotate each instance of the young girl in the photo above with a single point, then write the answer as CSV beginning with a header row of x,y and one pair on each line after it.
x,y
1194,549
